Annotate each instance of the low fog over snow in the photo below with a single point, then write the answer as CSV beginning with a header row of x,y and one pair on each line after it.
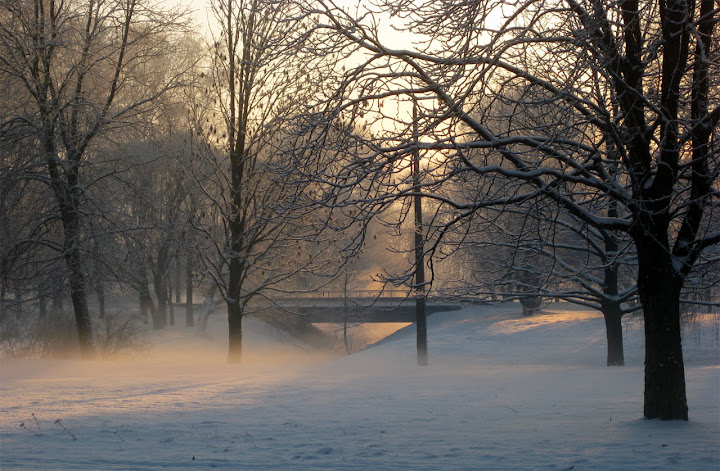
x,y
502,392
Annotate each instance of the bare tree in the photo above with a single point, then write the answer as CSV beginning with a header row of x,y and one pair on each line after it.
x,y
635,81
262,78
83,67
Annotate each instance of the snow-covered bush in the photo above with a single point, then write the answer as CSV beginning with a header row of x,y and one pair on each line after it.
x,y
119,333
27,335
54,335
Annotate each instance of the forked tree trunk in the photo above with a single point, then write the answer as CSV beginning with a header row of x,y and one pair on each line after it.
x,y
70,216
68,196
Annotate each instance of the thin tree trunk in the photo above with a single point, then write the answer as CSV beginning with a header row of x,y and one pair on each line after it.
x,y
58,301
171,307
611,309
178,279
419,288
345,315
144,311
208,307
100,292
189,321
98,280
160,317
17,303
42,304
147,305
2,301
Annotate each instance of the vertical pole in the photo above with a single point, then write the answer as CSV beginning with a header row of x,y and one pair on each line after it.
x,y
419,288
178,276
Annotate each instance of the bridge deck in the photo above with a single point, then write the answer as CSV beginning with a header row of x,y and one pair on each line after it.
x,y
361,310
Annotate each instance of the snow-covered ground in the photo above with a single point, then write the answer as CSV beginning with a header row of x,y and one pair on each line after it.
x,y
503,392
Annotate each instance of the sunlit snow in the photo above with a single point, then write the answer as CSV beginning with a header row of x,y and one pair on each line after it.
x,y
502,392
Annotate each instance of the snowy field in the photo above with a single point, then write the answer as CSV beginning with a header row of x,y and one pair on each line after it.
x,y
502,392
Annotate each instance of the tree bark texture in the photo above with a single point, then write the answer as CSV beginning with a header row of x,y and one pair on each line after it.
x,y
69,208
665,394
235,316
78,295
68,196
613,328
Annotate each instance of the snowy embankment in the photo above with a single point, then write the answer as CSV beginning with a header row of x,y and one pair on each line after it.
x,y
502,392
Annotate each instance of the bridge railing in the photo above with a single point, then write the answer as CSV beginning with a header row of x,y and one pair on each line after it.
x,y
367,294
351,294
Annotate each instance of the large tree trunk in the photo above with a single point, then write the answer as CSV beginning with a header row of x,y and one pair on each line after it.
x,y
235,316
68,207
613,328
530,304
68,195
234,302
70,215
78,295
665,395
